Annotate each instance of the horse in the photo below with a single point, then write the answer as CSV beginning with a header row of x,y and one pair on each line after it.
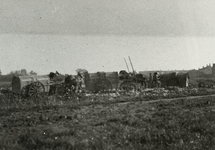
x,y
73,83
134,77
70,82
124,75
53,77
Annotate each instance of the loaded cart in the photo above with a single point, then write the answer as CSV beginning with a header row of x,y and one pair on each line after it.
x,y
96,82
107,81
32,86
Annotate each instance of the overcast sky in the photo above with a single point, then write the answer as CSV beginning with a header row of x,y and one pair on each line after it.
x,y
64,35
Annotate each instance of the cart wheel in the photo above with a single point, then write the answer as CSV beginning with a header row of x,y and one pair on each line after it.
x,y
103,85
36,89
128,86
24,91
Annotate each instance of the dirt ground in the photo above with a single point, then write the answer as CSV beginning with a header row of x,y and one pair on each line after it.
x,y
64,124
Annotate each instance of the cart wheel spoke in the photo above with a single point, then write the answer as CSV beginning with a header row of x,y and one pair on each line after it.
x,y
36,89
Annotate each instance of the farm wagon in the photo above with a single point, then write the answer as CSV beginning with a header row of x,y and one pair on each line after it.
x,y
175,79
33,86
101,81
107,81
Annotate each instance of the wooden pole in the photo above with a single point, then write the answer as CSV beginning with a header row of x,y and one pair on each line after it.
x,y
131,64
134,73
126,65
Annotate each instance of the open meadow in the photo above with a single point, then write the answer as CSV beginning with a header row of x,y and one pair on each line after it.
x,y
107,122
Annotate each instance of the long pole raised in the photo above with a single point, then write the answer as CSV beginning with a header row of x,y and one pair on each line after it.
x,y
131,64
134,73
126,65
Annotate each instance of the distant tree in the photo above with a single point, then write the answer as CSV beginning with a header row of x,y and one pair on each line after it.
x,y
32,73
16,73
22,72
0,72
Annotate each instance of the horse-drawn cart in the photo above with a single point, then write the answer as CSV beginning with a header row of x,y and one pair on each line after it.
x,y
33,86
132,81
101,81
108,81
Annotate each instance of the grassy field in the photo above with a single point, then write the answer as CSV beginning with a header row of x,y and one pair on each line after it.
x,y
51,123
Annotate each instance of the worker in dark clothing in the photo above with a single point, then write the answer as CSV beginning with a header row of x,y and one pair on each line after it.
x,y
156,80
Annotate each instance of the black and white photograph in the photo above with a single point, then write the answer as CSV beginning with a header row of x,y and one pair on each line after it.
x,y
107,75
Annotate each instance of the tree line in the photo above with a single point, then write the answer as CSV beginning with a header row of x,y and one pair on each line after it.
x,y
21,72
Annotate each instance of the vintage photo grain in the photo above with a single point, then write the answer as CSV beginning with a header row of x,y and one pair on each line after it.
x,y
107,74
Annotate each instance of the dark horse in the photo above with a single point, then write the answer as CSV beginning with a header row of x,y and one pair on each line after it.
x,y
73,83
52,75
134,77
70,83
56,77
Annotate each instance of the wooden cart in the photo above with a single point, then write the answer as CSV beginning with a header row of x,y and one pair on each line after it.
x,y
33,86
101,81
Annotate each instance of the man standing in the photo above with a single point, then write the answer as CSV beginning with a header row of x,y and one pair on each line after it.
x,y
156,79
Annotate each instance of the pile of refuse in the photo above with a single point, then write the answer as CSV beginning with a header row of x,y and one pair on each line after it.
x,y
176,91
